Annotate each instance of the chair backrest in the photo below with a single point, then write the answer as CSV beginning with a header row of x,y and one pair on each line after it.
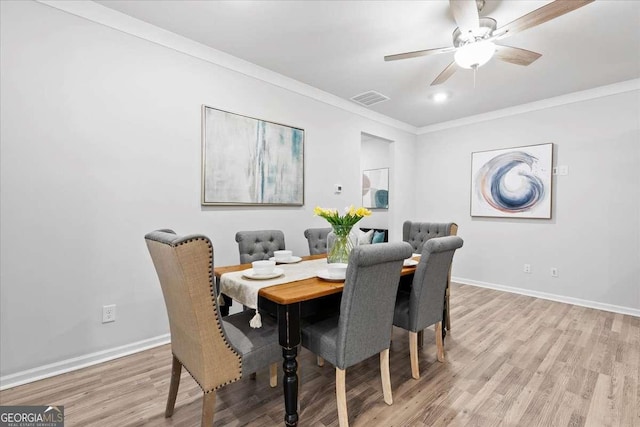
x,y
417,233
368,300
430,281
317,239
259,244
185,270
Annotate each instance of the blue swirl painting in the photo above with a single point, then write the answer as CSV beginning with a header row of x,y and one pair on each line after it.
x,y
512,183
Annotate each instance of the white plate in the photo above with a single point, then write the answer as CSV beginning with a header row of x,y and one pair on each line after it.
x,y
291,260
249,274
324,275
409,262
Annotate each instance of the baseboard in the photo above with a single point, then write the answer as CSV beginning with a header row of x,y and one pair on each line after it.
x,y
64,366
553,297
46,371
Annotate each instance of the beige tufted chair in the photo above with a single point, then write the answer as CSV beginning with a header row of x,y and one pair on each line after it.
x,y
417,233
216,351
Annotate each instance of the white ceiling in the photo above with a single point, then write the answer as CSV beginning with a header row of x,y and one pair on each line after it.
x,y
338,46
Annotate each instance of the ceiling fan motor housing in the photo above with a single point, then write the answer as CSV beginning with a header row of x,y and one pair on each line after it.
x,y
486,28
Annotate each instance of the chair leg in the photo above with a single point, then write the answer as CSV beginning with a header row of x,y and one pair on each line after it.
x,y
208,409
273,375
413,354
421,338
386,377
319,361
176,370
439,342
341,397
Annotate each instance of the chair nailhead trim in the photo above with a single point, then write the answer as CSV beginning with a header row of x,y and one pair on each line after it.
x,y
212,292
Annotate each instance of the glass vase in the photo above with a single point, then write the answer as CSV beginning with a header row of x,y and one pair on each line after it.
x,y
340,241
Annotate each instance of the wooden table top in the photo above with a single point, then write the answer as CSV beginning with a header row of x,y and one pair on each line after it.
x,y
301,290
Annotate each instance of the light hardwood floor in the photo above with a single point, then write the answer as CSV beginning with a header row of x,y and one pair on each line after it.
x,y
511,360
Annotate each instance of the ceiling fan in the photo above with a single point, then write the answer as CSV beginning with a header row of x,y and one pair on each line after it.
x,y
474,39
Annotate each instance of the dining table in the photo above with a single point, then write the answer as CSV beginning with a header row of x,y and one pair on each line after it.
x,y
287,298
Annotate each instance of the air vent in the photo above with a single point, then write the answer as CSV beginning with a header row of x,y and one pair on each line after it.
x,y
369,98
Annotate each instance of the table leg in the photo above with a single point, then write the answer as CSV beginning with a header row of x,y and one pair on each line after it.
x,y
445,314
289,338
224,310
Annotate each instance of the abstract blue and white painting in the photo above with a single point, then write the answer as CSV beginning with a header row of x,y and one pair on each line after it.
x,y
247,161
512,182
375,188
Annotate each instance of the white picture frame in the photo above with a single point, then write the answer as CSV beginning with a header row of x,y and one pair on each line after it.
x,y
512,182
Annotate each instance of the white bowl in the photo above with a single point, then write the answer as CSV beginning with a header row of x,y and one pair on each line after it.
x,y
282,255
263,267
337,270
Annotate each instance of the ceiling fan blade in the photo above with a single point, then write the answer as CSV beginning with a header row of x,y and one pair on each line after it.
x,y
516,55
542,15
465,12
445,74
418,53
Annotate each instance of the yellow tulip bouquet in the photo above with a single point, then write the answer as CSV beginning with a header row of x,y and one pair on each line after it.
x,y
340,244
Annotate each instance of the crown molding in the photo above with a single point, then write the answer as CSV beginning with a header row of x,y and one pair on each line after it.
x,y
585,95
119,21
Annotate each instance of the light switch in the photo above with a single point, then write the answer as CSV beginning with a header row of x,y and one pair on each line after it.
x,y
337,188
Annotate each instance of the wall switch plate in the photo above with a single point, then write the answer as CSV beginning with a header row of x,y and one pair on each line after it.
x,y
563,170
554,272
337,188
527,268
108,313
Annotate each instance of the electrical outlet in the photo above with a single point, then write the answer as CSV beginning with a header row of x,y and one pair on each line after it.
x,y
563,170
527,268
554,272
108,313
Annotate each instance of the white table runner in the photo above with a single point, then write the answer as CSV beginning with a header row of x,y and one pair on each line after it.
x,y
245,291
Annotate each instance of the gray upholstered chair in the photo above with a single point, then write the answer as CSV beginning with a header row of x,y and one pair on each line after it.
x,y
422,306
259,244
363,327
317,239
216,351
417,234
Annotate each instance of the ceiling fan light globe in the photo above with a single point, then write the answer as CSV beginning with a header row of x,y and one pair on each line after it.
x,y
475,55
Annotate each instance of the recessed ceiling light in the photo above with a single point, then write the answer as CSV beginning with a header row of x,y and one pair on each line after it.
x,y
439,97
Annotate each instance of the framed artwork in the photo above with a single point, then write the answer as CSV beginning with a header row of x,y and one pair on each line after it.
x,y
512,182
248,161
375,188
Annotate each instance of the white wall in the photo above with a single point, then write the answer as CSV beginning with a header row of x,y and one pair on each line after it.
x,y
375,155
593,237
100,136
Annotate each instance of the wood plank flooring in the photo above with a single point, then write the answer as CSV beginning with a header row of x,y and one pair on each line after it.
x,y
512,361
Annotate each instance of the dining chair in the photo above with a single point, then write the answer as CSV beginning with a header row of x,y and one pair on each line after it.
x,y
216,351
363,326
317,239
417,234
422,306
259,244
